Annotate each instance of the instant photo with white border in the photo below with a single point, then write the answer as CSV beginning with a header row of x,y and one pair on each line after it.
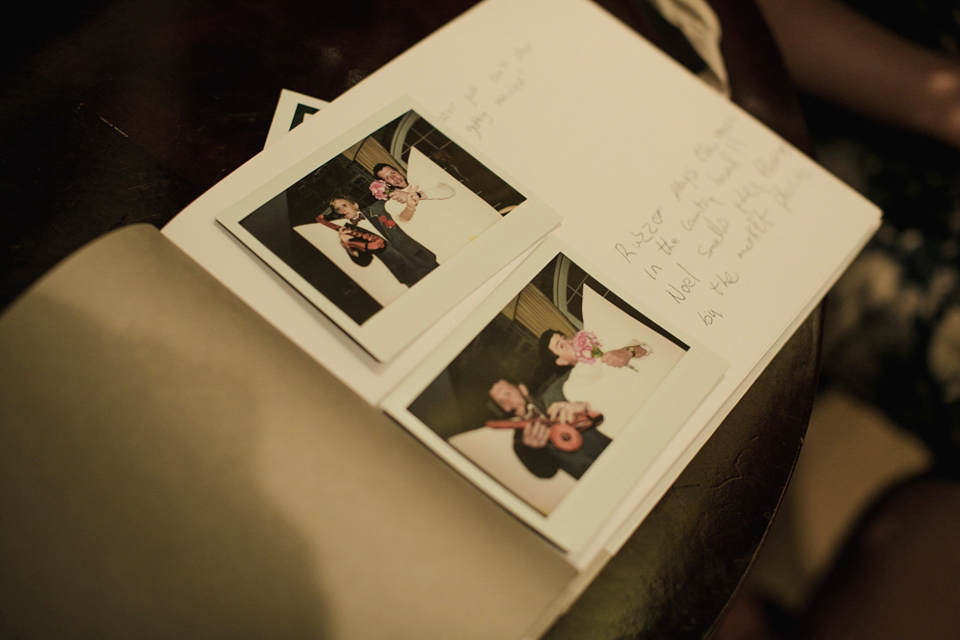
x,y
391,293
292,110
445,402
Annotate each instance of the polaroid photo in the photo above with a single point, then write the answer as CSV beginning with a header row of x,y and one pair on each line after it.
x,y
389,226
556,395
292,110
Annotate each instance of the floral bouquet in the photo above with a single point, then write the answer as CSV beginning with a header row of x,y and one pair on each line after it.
x,y
587,346
380,189
588,349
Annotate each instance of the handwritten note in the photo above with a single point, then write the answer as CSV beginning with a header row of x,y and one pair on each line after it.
x,y
683,199
479,102
697,245
726,200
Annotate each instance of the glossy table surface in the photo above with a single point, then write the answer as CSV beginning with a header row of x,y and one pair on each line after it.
x,y
121,111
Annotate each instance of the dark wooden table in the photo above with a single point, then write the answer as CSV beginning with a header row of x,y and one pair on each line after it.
x,y
124,111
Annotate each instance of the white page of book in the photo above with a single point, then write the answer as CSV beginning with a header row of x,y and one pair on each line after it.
x,y
678,196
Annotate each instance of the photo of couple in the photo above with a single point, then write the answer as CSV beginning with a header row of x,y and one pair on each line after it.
x,y
406,229
382,215
538,396
395,224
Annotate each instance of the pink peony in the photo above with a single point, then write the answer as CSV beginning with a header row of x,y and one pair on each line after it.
x,y
586,346
380,189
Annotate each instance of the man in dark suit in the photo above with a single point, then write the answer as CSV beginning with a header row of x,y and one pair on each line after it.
x,y
407,259
532,443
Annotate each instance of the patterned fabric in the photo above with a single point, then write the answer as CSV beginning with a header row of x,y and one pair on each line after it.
x,y
892,325
892,335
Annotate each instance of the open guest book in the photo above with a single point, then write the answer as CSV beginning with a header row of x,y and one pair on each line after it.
x,y
433,354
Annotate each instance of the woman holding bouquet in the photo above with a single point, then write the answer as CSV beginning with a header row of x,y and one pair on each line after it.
x,y
556,348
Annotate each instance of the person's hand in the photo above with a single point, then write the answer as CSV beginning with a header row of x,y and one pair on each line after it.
x,y
566,411
412,199
399,196
536,434
616,358
345,239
